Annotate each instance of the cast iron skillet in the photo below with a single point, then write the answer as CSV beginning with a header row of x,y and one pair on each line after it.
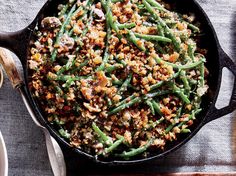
x,y
19,43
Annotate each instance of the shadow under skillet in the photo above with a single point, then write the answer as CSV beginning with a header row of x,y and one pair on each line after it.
x,y
176,161
81,166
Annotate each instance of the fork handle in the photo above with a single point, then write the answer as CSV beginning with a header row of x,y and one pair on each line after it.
x,y
55,155
8,64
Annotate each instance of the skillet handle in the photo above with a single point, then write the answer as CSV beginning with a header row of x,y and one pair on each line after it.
x,y
16,42
215,113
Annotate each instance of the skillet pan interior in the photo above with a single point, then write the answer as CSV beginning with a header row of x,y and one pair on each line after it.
x,y
208,40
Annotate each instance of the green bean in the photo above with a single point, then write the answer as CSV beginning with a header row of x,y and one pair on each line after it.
x,y
62,69
113,146
160,61
68,83
171,126
160,83
77,108
156,106
124,86
124,142
126,100
136,151
202,72
67,77
190,26
64,9
72,29
113,24
123,62
107,140
126,25
64,133
180,93
69,64
154,124
87,4
192,81
183,36
171,22
191,66
160,30
115,1
200,84
157,93
193,27
132,38
180,67
108,36
191,50
191,117
119,83
109,102
154,3
167,30
83,64
149,103
185,81
112,68
152,37
61,32
126,105
105,4
104,61
185,130
85,30
57,121
59,90
140,6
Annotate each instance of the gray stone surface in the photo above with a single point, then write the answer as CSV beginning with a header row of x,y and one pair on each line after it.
x,y
212,149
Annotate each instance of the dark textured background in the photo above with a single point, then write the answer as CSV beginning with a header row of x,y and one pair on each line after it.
x,y
212,149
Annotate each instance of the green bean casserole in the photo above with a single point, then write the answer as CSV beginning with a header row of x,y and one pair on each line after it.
x,y
118,78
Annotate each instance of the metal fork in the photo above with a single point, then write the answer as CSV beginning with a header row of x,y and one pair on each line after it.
x,y
55,154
